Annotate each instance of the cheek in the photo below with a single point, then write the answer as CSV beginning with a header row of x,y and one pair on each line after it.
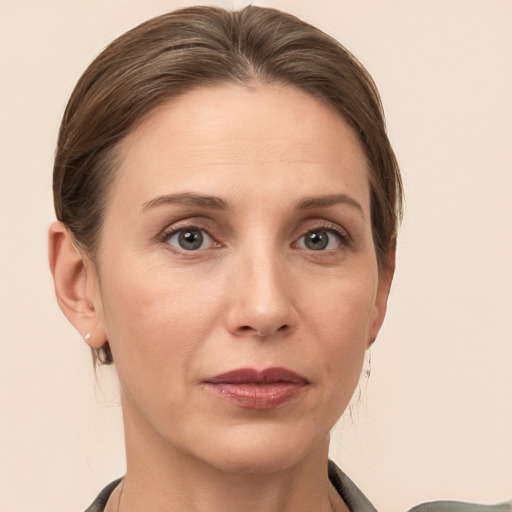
x,y
339,319
342,307
155,320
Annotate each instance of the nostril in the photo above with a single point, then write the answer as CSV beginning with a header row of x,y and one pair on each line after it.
x,y
261,332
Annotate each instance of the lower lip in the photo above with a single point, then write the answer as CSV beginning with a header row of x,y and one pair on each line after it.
x,y
257,395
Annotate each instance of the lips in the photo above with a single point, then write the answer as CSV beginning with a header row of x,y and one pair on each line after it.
x,y
253,389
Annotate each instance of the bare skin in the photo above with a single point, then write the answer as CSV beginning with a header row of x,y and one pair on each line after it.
x,y
229,492
237,236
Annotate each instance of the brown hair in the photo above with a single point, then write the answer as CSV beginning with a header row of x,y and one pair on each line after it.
x,y
203,46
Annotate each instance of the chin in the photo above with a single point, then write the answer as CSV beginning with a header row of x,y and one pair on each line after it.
x,y
254,463
265,452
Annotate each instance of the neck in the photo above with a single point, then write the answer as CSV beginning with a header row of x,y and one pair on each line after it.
x,y
160,478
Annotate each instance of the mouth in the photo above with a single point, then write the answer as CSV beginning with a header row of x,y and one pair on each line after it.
x,y
253,389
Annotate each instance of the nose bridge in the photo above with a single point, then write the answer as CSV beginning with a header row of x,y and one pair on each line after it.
x,y
262,304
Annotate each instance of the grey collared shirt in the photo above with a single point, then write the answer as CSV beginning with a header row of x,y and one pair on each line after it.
x,y
357,501
352,496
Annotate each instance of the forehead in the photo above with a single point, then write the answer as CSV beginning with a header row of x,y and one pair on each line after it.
x,y
213,139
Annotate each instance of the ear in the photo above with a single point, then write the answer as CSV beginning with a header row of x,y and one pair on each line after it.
x,y
386,274
76,285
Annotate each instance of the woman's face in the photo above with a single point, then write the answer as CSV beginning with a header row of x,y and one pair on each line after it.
x,y
237,281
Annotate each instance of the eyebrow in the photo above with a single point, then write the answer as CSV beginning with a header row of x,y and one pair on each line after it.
x,y
216,203
187,199
311,203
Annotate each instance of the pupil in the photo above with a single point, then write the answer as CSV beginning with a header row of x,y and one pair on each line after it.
x,y
190,240
317,240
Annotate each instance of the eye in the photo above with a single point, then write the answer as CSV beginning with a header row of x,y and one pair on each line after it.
x,y
190,239
320,240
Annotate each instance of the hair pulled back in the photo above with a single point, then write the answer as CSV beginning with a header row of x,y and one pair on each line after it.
x,y
200,47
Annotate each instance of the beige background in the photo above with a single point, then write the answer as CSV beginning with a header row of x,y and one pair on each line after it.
x,y
435,419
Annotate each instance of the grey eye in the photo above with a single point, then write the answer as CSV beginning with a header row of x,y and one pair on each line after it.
x,y
190,239
319,240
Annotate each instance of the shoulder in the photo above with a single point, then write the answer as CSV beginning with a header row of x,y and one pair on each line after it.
x,y
357,502
98,505
458,506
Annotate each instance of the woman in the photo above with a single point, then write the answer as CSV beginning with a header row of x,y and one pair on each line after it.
x,y
227,204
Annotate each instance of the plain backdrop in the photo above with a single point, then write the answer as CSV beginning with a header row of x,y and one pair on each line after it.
x,y
435,418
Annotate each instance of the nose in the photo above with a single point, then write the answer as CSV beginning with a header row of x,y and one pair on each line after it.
x,y
261,299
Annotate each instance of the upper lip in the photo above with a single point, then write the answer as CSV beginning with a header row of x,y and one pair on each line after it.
x,y
250,375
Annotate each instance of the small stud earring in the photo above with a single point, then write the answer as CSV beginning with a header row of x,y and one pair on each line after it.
x,y
87,337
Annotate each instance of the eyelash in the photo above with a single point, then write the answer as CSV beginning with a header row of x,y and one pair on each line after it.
x,y
345,240
169,233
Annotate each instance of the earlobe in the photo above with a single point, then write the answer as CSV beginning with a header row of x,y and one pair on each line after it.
x,y
71,273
